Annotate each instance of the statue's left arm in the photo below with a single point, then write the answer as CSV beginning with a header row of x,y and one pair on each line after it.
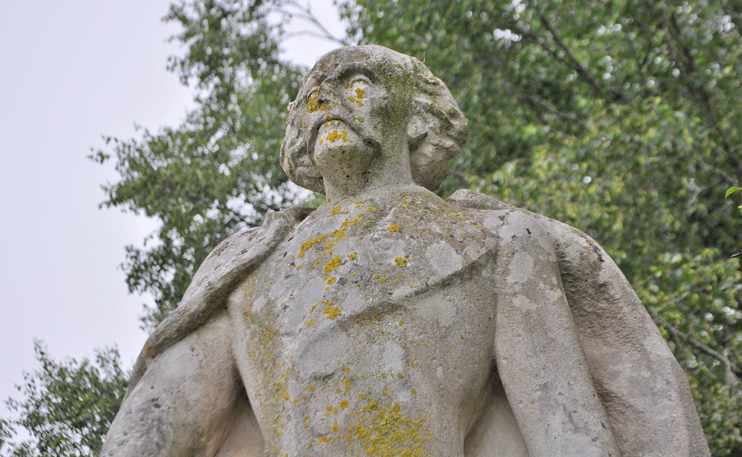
x,y
538,350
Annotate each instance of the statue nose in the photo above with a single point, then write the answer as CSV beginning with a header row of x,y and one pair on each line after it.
x,y
328,92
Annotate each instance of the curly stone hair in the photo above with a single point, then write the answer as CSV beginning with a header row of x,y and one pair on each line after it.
x,y
436,127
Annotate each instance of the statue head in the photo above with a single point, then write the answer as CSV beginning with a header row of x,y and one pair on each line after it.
x,y
387,98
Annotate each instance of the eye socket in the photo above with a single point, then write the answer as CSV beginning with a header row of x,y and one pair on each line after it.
x,y
313,93
358,79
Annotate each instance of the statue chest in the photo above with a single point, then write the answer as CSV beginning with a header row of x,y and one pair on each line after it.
x,y
356,317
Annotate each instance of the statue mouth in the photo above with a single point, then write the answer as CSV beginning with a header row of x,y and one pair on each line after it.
x,y
340,123
327,122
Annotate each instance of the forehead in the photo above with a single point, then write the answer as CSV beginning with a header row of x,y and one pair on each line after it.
x,y
338,70
348,60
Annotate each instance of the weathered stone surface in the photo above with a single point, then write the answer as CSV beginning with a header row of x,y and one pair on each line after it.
x,y
391,322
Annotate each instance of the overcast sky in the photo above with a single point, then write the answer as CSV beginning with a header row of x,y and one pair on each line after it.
x,y
70,72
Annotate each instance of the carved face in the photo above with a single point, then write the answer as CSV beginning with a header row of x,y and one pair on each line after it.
x,y
345,117
401,102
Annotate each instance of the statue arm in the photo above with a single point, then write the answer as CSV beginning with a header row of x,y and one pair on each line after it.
x,y
538,350
185,396
642,387
224,268
190,402
640,384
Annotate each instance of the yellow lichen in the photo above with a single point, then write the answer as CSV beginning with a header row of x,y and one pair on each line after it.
x,y
332,280
299,267
393,228
312,105
385,431
335,210
305,246
352,255
333,264
400,261
334,136
332,312
344,404
339,234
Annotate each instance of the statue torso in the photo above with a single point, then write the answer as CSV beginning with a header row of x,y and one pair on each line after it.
x,y
366,324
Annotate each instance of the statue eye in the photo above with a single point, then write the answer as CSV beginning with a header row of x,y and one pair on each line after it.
x,y
357,87
313,100
358,81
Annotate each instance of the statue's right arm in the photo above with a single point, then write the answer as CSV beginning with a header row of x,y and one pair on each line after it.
x,y
185,394
187,402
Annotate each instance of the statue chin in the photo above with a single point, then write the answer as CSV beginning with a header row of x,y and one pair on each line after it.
x,y
342,154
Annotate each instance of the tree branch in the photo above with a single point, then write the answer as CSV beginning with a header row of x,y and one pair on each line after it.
x,y
535,101
305,13
700,94
732,371
575,64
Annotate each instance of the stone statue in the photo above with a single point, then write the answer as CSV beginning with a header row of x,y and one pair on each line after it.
x,y
389,322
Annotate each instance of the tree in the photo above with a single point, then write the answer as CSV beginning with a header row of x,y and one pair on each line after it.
x,y
218,173
68,406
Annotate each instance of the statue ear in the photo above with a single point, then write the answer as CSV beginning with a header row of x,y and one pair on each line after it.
x,y
416,133
424,163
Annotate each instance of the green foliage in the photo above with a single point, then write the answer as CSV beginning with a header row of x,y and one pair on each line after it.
x,y
68,406
732,190
218,173
619,117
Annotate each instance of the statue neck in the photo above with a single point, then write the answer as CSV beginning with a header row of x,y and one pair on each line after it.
x,y
388,173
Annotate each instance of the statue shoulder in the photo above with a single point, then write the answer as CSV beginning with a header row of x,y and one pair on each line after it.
x,y
467,198
249,246
503,220
568,241
222,270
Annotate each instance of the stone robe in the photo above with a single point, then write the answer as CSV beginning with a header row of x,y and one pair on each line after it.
x,y
641,386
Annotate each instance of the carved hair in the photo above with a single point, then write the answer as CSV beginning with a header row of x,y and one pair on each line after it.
x,y
436,127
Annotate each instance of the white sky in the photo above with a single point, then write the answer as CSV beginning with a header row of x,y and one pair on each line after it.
x,y
70,72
